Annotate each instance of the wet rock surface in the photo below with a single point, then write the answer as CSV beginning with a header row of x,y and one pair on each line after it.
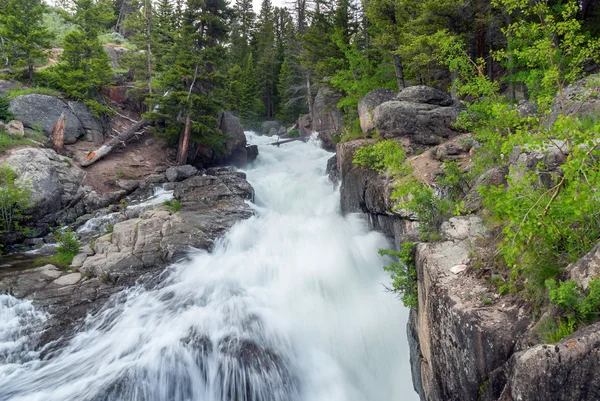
x,y
137,250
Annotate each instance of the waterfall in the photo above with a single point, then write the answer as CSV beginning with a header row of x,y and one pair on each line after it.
x,y
290,305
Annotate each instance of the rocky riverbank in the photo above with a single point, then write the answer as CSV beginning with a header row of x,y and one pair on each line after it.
x,y
467,342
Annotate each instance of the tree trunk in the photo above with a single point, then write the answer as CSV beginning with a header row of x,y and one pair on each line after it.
x,y
148,51
399,72
309,95
57,137
108,147
184,143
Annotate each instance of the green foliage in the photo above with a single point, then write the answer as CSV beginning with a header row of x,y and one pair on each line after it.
x,y
25,36
14,200
550,331
5,115
577,305
551,221
383,157
416,197
27,91
61,260
68,241
403,273
8,141
456,181
173,205
548,41
293,133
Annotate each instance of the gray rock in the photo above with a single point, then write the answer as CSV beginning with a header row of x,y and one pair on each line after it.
x,y
582,98
116,54
156,178
251,153
332,169
494,177
456,341
210,205
544,161
68,279
55,184
425,94
128,185
422,124
268,126
234,150
327,118
368,103
585,269
78,260
180,173
42,110
568,370
94,128
6,86
527,108
15,128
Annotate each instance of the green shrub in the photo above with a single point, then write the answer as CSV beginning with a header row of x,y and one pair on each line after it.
x,y
14,200
173,205
550,331
403,273
68,241
293,134
28,91
577,305
5,115
383,157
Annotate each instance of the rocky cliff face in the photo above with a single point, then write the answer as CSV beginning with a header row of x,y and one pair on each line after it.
x,y
467,342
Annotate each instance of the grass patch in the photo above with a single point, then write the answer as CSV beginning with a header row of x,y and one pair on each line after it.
x,y
8,141
28,91
62,260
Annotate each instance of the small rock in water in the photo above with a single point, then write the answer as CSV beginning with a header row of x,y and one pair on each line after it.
x,y
6,266
458,269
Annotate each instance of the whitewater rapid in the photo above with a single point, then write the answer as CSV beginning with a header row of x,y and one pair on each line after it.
x,y
289,306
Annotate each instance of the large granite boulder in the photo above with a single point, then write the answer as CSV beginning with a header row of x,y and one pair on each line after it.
x,y
54,181
42,110
423,124
116,54
425,94
368,103
234,150
327,118
270,127
544,161
421,115
582,98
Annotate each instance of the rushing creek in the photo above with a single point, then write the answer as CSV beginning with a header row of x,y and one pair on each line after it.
x,y
289,306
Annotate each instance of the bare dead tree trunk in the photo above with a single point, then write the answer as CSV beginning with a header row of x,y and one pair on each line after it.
x,y
148,48
57,137
399,72
182,152
309,95
108,147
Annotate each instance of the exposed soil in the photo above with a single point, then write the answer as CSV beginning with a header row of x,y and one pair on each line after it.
x,y
135,161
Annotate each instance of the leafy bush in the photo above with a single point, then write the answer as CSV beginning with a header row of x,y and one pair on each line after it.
x,y
293,134
5,115
174,205
577,306
27,91
383,157
14,200
68,241
403,273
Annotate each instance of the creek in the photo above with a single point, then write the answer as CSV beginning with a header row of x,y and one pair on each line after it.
x,y
290,305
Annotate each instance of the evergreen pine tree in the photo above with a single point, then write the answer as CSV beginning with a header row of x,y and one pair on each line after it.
x,y
24,33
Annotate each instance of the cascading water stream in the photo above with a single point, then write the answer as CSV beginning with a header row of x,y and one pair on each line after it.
x,y
289,306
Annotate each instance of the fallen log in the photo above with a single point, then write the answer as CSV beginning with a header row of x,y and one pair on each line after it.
x,y
108,147
303,139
